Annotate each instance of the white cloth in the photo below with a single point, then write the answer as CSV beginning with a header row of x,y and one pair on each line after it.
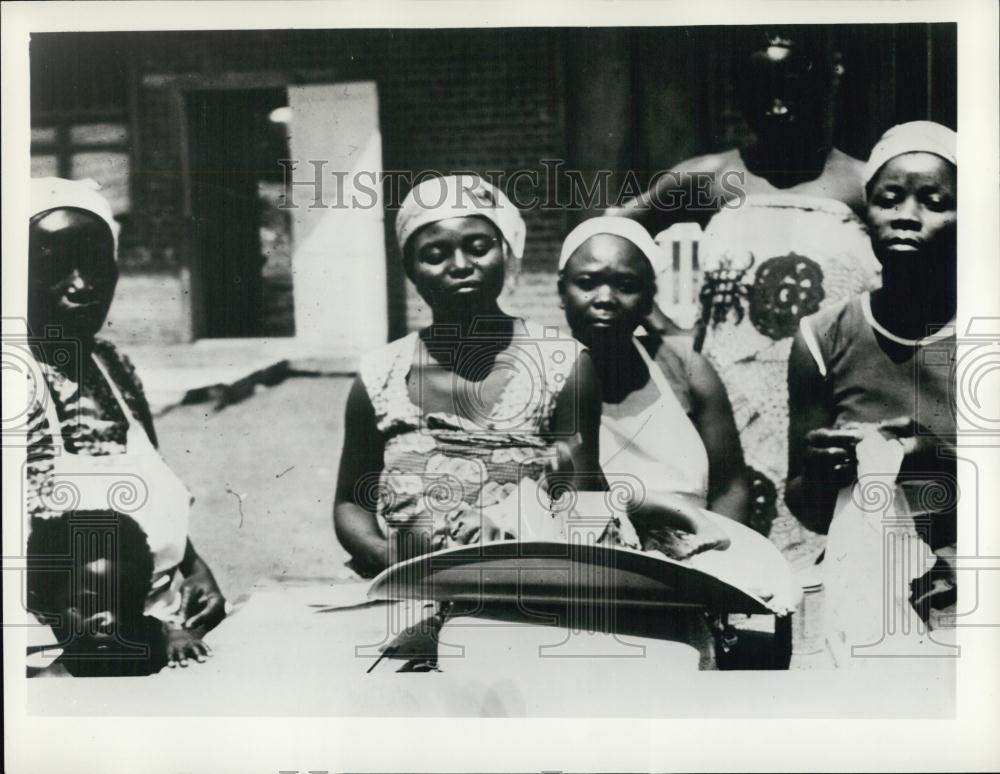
x,y
660,448
626,228
49,193
459,196
911,137
873,553
138,483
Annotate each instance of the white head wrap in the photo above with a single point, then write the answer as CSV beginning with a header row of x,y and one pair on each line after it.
x,y
49,193
912,137
459,196
626,228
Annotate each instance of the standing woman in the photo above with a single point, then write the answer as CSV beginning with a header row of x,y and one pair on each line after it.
x,y
90,430
877,366
443,425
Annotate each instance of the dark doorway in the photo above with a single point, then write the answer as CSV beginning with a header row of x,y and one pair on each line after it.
x,y
241,238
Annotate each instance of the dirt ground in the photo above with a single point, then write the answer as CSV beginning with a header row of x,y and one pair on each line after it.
x,y
263,473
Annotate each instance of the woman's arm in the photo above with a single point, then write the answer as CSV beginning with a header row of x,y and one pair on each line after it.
x,y
202,603
360,464
819,460
577,422
728,488
688,192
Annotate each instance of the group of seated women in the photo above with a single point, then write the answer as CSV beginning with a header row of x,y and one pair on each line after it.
x,y
447,427
489,403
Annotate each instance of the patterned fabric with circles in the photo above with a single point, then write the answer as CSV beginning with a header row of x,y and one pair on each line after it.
x,y
768,264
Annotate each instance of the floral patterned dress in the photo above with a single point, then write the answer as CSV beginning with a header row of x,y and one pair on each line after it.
x,y
771,262
439,464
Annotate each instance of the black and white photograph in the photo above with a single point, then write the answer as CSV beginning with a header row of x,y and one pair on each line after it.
x,y
412,368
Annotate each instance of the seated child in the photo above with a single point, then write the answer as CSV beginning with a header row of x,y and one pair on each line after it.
x,y
89,573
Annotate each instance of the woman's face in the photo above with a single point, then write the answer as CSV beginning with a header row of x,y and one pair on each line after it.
x,y
71,272
457,264
607,288
912,213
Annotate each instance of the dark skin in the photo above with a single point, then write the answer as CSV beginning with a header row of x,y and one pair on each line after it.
x,y
912,218
98,633
458,268
96,629
607,289
72,276
787,101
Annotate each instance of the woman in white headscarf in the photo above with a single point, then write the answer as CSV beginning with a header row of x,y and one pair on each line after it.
x,y
91,443
667,430
666,419
870,411
443,425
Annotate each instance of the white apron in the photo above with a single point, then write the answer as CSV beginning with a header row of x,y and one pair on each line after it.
x,y
659,446
138,483
660,449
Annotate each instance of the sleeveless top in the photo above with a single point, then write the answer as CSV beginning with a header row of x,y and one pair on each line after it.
x,y
767,264
435,464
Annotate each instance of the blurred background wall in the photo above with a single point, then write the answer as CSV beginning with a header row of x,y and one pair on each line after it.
x,y
184,131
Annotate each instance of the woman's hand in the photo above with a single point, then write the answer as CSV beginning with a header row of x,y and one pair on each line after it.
x,y
183,645
937,588
830,457
202,604
469,524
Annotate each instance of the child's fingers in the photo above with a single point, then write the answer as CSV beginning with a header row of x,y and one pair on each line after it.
x,y
203,651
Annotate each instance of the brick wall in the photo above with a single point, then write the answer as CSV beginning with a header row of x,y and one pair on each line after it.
x,y
503,99
450,100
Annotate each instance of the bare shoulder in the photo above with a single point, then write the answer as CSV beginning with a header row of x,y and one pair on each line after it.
x,y
842,180
846,163
710,163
